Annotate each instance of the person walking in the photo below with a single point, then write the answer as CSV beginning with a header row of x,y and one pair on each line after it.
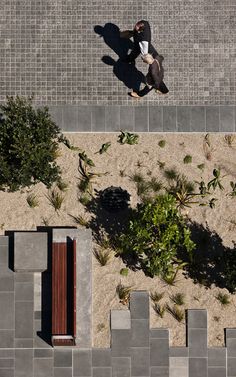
x,y
154,78
142,41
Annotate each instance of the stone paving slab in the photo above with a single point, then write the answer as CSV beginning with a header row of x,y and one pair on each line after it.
x,y
71,118
50,49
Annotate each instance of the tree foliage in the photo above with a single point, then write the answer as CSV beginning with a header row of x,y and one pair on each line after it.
x,y
156,234
28,145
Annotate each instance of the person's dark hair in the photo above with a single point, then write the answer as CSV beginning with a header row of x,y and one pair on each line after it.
x,y
140,25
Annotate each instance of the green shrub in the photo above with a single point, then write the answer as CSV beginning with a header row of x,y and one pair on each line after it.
x,y
124,271
162,143
28,145
155,235
187,159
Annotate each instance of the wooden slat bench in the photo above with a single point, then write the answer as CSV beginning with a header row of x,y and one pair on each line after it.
x,y
63,293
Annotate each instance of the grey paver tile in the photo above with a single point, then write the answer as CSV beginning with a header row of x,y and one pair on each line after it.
x,y
159,352
231,366
7,363
84,119
169,118
198,118
4,240
217,357
155,118
178,351
212,119
227,118
101,357
177,372
140,361
63,372
127,119
197,342
160,372
102,372
230,333
23,362
216,372
112,118
139,305
82,362
198,367
141,118
56,114
120,342
44,368
7,372
23,343
121,366
62,358
24,319
24,292
4,254
6,279
42,353
98,118
6,310
183,119
120,319
178,362
160,333
24,277
197,319
70,118
140,333
5,353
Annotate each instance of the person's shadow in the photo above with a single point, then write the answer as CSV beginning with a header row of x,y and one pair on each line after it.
x,y
125,72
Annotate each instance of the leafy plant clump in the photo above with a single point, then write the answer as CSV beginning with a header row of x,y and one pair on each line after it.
x,y
55,199
32,200
123,293
28,145
178,298
159,309
223,298
187,159
176,312
155,235
128,138
124,271
156,296
162,143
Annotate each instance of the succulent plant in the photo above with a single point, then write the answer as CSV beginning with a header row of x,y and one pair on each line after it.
x,y
114,199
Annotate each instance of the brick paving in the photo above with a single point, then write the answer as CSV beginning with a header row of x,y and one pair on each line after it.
x,y
49,48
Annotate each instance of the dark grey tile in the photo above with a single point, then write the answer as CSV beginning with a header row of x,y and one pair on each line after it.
x,y
159,352
227,119
6,279
24,291
140,361
44,368
4,353
24,312
231,347
23,363
139,333
4,240
42,353
197,319
82,363
101,357
7,310
63,372
7,372
198,367
120,342
102,372
217,372
169,118
230,333
23,343
62,358
84,118
98,118
197,342
112,119
159,333
24,277
56,114
139,305
217,357
198,118
183,118
160,372
121,366
141,119
7,363
70,118
155,119
178,352
231,366
212,119
127,118
4,255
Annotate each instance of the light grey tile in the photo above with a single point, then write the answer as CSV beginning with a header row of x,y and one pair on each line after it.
x,y
6,310
24,312
82,362
24,292
6,279
101,357
23,362
169,119
24,343
141,119
155,118
69,118
160,372
198,118
121,366
212,119
112,119
227,119
62,358
127,118
56,114
63,372
102,372
84,119
98,118
178,351
42,353
44,368
183,119
198,367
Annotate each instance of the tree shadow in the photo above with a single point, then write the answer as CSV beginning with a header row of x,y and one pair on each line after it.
x,y
125,72
210,258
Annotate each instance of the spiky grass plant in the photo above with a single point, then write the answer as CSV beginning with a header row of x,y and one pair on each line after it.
x,y
102,256
178,299
229,139
169,279
170,174
187,159
123,293
45,221
176,312
143,188
80,220
32,200
162,143
161,164
223,298
201,167
156,296
122,173
55,199
85,199
159,309
62,185
155,185
137,178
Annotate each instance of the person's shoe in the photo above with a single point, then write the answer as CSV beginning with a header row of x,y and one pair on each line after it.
x,y
159,92
134,95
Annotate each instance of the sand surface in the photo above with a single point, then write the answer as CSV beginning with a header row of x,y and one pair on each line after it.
x,y
15,213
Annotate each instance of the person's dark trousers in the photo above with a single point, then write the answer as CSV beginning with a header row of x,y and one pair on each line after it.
x,y
136,52
144,91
